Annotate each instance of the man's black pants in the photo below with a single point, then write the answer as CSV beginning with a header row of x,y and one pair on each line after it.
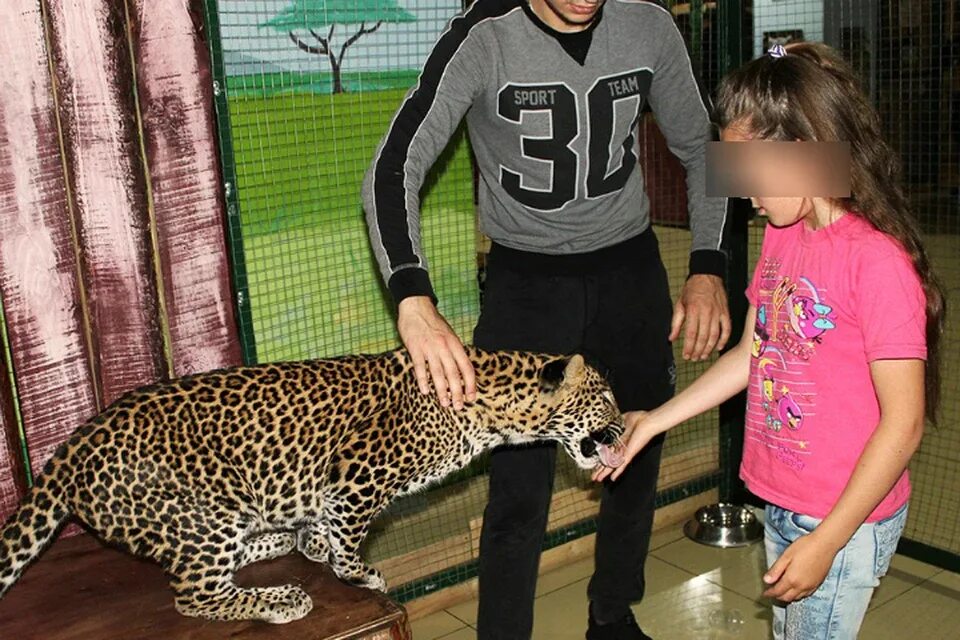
x,y
613,307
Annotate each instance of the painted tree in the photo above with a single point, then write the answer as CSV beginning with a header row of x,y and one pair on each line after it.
x,y
316,15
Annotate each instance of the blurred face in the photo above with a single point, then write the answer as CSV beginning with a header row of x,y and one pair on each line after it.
x,y
566,15
781,211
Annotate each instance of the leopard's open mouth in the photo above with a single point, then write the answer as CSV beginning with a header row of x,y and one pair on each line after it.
x,y
610,456
604,444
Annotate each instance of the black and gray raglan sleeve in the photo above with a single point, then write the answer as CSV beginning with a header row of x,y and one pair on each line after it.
x,y
422,127
681,110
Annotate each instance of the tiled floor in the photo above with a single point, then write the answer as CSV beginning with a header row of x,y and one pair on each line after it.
x,y
698,592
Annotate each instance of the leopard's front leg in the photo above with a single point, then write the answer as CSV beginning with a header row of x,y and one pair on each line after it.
x,y
348,524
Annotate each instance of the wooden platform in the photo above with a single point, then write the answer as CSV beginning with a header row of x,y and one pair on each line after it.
x,y
81,590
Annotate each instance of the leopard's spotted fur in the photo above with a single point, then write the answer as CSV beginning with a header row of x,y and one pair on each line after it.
x,y
211,472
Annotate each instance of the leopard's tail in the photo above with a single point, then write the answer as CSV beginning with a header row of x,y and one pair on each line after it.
x,y
30,529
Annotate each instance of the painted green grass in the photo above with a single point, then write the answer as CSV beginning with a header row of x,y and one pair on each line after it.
x,y
265,84
314,287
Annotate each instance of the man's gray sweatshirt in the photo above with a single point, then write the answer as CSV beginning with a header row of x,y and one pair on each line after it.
x,y
554,140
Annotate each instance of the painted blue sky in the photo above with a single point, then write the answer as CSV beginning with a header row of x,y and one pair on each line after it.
x,y
250,48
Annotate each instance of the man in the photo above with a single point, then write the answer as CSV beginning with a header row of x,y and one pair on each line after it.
x,y
552,91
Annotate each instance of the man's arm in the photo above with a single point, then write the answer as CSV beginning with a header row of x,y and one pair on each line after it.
x,y
421,128
682,114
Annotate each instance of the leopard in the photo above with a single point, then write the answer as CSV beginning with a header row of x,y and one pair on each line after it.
x,y
207,473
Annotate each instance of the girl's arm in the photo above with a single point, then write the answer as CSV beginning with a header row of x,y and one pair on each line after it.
x,y
727,377
804,565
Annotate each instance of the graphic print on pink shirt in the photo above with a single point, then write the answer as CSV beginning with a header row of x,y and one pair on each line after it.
x,y
796,322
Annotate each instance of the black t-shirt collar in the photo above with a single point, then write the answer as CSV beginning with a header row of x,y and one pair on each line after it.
x,y
575,43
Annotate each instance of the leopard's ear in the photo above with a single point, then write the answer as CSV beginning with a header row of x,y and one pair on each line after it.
x,y
568,371
575,371
551,376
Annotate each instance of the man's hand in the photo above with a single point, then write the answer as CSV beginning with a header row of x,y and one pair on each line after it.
x,y
435,348
800,570
637,436
703,306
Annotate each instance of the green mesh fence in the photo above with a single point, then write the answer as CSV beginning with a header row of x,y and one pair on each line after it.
x,y
297,133
907,54
303,131
917,88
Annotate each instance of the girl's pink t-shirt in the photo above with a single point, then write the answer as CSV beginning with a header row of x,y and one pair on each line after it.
x,y
828,303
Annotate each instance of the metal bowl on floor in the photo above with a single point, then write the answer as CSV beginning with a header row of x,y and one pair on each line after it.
x,y
724,525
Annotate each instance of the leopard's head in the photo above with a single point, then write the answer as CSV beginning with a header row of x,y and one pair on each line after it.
x,y
583,414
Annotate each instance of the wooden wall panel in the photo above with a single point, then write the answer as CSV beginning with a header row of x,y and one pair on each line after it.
x,y
176,102
38,269
12,476
92,68
95,274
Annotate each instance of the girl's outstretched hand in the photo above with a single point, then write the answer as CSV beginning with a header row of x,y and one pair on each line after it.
x,y
636,436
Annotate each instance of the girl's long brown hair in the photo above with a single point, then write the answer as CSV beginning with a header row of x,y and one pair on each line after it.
x,y
812,94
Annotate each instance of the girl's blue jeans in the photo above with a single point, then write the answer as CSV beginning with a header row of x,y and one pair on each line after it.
x,y
836,609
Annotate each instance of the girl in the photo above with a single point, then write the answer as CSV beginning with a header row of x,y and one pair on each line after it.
x,y
840,352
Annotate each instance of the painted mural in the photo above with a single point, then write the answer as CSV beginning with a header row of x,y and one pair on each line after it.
x,y
312,86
